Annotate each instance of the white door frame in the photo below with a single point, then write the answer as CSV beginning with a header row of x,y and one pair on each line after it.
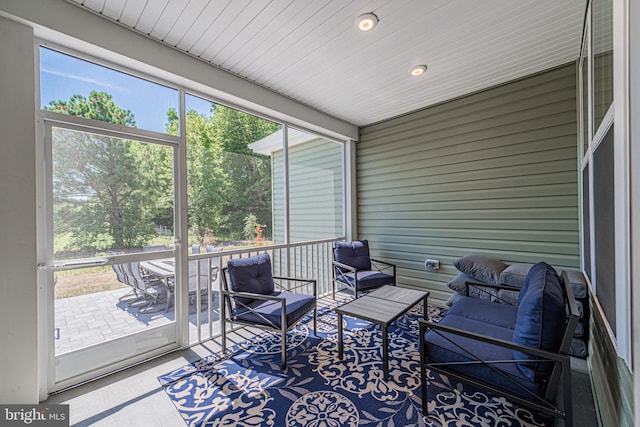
x,y
68,369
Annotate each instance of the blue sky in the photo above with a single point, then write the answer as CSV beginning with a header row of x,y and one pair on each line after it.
x,y
62,76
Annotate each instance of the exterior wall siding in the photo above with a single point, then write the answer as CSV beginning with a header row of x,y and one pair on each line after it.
x,y
315,191
493,172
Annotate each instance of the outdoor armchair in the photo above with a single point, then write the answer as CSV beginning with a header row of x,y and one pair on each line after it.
x,y
353,267
252,297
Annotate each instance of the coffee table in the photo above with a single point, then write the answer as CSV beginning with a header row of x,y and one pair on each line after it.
x,y
382,307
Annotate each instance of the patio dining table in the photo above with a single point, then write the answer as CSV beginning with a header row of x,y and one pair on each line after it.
x,y
165,269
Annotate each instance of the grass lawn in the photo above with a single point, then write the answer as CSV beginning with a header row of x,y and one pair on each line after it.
x,y
85,281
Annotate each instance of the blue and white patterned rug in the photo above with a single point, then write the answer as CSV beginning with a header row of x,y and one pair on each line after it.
x,y
246,387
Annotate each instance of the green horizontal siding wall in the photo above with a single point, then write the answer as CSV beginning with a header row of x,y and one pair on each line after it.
x,y
315,191
493,172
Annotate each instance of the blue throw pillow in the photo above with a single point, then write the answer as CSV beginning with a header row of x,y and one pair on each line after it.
x,y
540,320
251,275
354,254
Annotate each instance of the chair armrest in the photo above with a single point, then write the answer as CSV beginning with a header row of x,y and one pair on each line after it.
x,y
424,325
302,281
344,266
384,266
377,261
252,296
225,301
294,279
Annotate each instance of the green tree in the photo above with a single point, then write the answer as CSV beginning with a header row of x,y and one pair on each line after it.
x,y
98,106
207,181
250,224
100,189
249,186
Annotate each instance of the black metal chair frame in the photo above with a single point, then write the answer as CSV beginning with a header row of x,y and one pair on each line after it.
x,y
482,289
561,364
228,317
341,270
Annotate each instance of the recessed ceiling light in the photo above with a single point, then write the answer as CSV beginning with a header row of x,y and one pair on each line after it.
x,y
418,70
366,21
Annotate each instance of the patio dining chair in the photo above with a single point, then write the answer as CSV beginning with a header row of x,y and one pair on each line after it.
x,y
203,274
132,296
252,296
151,290
353,267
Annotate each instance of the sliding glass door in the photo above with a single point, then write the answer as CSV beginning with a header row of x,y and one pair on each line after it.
x,y
111,248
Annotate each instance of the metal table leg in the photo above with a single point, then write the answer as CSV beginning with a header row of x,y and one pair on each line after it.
x,y
385,352
340,343
424,308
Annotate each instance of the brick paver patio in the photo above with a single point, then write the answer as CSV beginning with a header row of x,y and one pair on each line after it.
x,y
90,319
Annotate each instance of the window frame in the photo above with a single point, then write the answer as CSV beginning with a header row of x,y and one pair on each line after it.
x,y
49,118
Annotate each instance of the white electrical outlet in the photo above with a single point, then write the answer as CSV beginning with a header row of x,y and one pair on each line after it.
x,y
432,264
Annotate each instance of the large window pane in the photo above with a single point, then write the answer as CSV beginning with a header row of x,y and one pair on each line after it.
x,y
109,194
315,187
229,176
604,227
68,84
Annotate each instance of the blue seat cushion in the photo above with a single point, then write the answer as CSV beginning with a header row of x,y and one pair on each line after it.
x,y
485,311
354,254
540,320
251,274
269,313
366,279
439,349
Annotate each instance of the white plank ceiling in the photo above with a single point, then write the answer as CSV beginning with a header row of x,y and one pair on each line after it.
x,y
309,50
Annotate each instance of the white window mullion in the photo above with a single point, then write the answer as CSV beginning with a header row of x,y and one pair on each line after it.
x,y
181,227
46,351
622,174
285,177
632,9
350,191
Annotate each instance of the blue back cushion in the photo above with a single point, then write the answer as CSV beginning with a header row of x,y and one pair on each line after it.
x,y
354,254
523,290
251,275
540,320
